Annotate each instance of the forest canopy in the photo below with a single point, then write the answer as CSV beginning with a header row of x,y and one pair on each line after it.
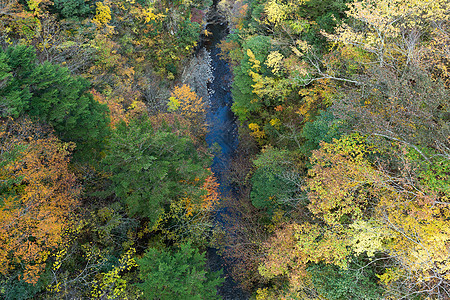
x,y
339,186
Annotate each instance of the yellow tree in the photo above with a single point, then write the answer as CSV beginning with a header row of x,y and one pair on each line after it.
x,y
185,102
384,210
361,209
38,194
395,30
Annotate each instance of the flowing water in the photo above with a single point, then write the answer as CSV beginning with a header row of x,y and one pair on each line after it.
x,y
222,132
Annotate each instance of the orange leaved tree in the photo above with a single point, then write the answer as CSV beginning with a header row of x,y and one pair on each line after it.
x,y
37,195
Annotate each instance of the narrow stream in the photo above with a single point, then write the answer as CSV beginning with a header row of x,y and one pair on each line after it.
x,y
222,132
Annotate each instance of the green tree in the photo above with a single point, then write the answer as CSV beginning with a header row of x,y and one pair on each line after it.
x,y
178,275
72,8
357,282
245,102
275,181
50,93
150,168
324,128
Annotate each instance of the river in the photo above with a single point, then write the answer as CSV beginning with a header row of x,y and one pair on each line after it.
x,y
222,132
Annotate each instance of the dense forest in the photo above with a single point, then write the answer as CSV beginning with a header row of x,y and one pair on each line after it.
x,y
340,180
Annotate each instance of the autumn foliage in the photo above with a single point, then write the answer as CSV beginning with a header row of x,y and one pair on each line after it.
x,y
185,102
39,192
356,94
339,187
79,76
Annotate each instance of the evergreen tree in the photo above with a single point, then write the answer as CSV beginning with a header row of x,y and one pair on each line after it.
x,y
50,93
151,167
178,275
